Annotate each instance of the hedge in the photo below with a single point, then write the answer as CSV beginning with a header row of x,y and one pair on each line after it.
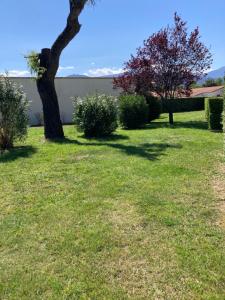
x,y
155,107
214,112
183,104
207,109
133,111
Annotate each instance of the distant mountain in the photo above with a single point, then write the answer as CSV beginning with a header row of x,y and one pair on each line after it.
x,y
218,73
112,75
213,74
77,75
85,76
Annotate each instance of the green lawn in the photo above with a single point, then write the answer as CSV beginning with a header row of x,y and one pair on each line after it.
x,y
130,217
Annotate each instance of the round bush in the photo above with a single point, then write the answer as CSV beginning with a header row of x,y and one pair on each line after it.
x,y
96,115
134,111
155,108
13,113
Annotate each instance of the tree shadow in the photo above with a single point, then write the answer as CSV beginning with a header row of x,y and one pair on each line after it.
x,y
17,152
191,124
113,137
148,151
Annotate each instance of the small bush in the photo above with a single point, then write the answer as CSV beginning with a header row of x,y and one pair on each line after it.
x,y
13,113
134,111
96,115
214,108
155,108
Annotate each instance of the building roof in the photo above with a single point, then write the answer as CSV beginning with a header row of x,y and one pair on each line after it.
x,y
206,90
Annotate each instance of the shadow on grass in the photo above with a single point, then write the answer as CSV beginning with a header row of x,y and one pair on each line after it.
x,y
148,151
17,152
113,137
191,124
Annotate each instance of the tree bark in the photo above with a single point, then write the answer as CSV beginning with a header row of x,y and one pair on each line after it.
x,y
46,87
49,61
170,109
171,121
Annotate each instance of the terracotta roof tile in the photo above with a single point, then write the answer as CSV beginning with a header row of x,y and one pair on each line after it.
x,y
205,90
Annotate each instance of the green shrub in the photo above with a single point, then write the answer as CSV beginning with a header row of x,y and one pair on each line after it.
x,y
96,115
184,104
134,111
206,109
155,108
13,113
214,107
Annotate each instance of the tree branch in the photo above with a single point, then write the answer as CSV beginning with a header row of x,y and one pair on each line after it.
x,y
70,31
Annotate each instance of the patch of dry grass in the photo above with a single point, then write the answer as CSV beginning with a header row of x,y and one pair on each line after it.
x,y
219,189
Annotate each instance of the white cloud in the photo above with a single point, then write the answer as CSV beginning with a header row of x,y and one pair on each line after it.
x,y
103,72
61,68
16,73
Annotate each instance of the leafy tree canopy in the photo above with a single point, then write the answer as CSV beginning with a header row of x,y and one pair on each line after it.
x,y
170,61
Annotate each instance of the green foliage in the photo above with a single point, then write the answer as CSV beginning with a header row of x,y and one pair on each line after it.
x,y
206,109
209,82
213,82
33,63
13,113
155,108
196,85
214,113
184,104
134,111
96,115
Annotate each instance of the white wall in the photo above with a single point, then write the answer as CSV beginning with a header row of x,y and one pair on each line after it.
x,y
66,88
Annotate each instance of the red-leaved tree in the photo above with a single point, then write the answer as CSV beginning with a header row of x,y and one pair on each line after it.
x,y
168,64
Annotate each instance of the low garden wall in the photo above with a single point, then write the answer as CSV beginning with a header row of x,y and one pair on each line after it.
x,y
66,88
80,86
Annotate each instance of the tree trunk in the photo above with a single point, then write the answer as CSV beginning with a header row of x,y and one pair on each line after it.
x,y
49,64
46,88
6,141
171,118
52,123
170,110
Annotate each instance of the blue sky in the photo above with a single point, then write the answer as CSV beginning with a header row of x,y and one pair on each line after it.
x,y
111,31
